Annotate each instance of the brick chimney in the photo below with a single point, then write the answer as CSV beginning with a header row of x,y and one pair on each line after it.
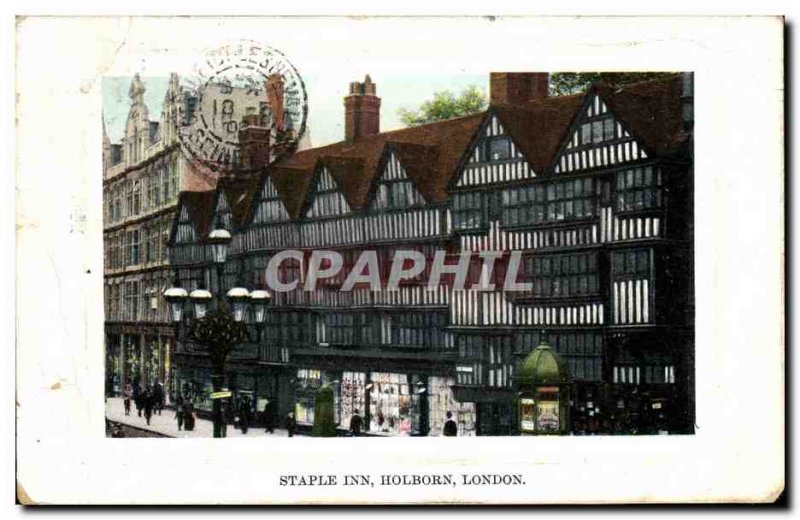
x,y
275,99
517,87
362,110
254,142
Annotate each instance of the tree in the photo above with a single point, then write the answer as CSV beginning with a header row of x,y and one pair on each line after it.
x,y
566,83
445,105
323,413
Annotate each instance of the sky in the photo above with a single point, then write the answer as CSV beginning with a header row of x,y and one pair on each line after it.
x,y
325,100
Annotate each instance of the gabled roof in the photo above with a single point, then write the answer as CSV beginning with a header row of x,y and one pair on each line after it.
x,y
431,153
354,165
200,205
540,127
652,110
239,193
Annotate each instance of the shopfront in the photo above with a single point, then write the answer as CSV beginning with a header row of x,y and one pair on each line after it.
x,y
390,403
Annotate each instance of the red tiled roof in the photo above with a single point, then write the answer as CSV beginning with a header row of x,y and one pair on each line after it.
x,y
432,153
652,111
539,128
355,165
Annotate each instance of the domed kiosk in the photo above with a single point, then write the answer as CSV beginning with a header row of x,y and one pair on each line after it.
x,y
543,393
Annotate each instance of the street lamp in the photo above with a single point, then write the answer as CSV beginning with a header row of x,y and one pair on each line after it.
x,y
200,299
259,299
218,329
239,299
176,297
220,241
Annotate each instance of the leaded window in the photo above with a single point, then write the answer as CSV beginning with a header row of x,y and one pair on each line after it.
x,y
469,211
598,131
420,329
555,276
495,149
639,189
397,194
552,202
339,328
631,264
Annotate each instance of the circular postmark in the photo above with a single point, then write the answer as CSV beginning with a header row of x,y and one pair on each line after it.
x,y
243,107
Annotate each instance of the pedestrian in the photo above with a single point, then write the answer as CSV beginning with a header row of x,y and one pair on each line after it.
x,y
290,424
148,406
244,416
450,426
355,424
269,417
137,397
188,417
127,392
159,396
179,416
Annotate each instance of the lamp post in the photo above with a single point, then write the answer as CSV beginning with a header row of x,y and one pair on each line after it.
x,y
219,330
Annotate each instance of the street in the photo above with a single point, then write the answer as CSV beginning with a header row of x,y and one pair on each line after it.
x,y
165,424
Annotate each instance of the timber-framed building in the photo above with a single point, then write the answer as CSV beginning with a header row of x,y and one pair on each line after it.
x,y
594,189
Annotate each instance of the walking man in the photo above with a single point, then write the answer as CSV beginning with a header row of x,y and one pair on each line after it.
x,y
148,406
355,424
269,419
450,426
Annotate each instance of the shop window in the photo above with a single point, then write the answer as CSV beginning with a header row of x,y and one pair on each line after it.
x,y
308,382
638,189
353,389
441,401
394,404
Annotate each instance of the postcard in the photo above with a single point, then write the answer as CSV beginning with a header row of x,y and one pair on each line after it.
x,y
297,260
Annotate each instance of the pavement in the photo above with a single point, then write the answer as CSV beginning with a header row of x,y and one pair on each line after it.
x,y
165,424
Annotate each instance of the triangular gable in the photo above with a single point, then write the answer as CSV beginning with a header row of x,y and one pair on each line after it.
x,y
183,231
394,189
494,157
222,212
326,199
269,206
597,140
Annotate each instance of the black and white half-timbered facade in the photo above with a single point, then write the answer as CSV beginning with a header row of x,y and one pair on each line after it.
x,y
587,198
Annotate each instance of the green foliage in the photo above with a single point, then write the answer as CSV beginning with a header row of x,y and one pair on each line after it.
x,y
565,83
323,413
445,105
218,333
